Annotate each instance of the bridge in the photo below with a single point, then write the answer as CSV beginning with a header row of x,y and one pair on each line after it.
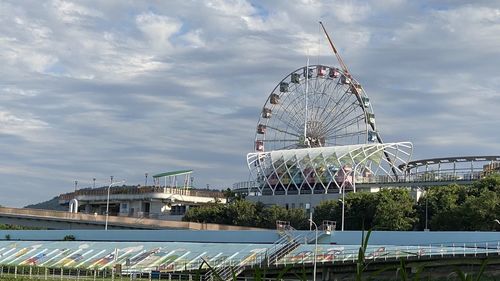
x,y
425,173
367,185
48,219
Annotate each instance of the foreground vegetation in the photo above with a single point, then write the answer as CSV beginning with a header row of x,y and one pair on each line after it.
x,y
454,207
14,227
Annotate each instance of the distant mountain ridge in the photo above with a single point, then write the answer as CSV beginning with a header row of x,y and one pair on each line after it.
x,y
52,204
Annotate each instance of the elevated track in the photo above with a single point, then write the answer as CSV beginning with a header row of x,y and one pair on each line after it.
x,y
48,219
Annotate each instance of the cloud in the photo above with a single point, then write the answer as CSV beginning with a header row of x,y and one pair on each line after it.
x,y
158,29
70,12
93,89
20,126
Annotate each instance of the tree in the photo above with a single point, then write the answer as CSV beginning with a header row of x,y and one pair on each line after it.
x,y
394,210
240,212
208,213
451,207
441,200
246,213
270,215
298,218
330,210
468,208
479,212
490,182
388,209
359,210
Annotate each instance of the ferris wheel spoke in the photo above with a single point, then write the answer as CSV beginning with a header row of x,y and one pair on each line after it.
x,y
291,146
284,131
338,109
330,97
348,135
287,125
345,125
345,102
294,121
286,117
344,114
295,140
327,108
334,121
293,111
318,93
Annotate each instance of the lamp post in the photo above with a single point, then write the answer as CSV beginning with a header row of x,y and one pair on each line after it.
x,y
424,191
315,247
343,206
426,212
107,201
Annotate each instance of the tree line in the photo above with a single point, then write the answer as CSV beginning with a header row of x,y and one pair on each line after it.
x,y
454,207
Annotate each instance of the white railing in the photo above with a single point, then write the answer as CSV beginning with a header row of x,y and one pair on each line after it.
x,y
339,254
335,254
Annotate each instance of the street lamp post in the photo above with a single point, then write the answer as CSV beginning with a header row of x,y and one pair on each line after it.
x,y
424,191
343,206
426,212
315,247
107,201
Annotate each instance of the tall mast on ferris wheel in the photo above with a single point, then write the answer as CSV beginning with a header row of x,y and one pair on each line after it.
x,y
307,90
339,58
348,74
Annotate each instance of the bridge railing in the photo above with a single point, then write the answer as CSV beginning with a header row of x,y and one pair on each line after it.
x,y
142,190
447,175
124,222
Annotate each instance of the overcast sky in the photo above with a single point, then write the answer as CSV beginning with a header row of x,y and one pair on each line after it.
x,y
90,89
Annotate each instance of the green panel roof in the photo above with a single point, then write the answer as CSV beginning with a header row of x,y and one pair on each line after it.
x,y
172,174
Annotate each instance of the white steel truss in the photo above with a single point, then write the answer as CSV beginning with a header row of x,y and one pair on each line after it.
x,y
325,169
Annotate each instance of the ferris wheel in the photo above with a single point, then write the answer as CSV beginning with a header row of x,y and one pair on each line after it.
x,y
315,106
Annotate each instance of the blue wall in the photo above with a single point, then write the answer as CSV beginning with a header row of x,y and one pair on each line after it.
x,y
416,237
228,236
255,237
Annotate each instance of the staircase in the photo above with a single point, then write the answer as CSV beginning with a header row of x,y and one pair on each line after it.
x,y
287,243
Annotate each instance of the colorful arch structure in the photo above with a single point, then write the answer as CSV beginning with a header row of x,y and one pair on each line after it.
x,y
327,169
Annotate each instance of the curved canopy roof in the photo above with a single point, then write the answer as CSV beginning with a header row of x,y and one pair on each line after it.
x,y
173,173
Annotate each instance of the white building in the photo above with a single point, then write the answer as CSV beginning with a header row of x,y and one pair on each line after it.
x,y
169,198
